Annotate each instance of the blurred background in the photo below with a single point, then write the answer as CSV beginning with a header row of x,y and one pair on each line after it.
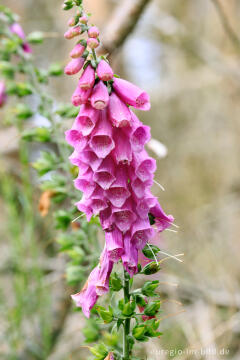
x,y
186,55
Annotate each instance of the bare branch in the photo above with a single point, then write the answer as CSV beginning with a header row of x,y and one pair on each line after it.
x,y
226,25
122,23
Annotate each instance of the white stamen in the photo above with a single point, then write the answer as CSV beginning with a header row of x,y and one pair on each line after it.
x,y
172,256
78,217
161,187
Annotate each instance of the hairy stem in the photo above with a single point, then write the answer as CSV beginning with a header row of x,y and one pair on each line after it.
x,y
126,326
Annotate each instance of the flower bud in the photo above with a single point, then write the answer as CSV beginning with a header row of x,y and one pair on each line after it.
x,y
151,268
77,51
149,287
74,66
100,97
104,71
152,308
92,43
72,32
71,21
93,32
83,19
87,79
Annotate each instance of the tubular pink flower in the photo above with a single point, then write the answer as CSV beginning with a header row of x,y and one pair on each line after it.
x,y
130,256
138,133
114,244
85,183
104,71
80,96
101,141
93,32
17,29
77,51
99,97
124,217
105,217
122,151
131,94
83,19
73,32
87,297
90,158
144,205
119,112
104,176
144,165
105,268
92,43
74,66
3,95
141,232
87,79
87,119
76,139
118,193
162,221
84,205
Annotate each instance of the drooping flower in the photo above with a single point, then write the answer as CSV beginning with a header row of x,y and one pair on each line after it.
x,y
131,94
3,95
78,50
74,66
16,28
104,71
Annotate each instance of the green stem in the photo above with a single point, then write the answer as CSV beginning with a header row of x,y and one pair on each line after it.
x,y
126,325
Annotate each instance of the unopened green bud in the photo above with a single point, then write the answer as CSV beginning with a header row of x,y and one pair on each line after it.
x,y
138,331
115,282
151,268
37,134
150,251
23,111
149,287
152,308
106,315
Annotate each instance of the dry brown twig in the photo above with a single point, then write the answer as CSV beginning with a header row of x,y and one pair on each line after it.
x,y
122,23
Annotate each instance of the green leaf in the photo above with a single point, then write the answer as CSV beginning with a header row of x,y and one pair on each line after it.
x,y
91,331
7,69
74,274
20,89
63,219
140,300
100,351
67,111
23,111
55,70
41,134
35,37
48,161
150,251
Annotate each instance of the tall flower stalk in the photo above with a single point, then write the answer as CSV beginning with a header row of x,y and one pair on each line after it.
x,y
115,175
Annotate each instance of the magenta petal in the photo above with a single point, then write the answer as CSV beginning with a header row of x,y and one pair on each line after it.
x,y
105,269
84,205
101,138
122,151
104,71
145,166
141,232
131,94
144,205
77,51
130,256
90,158
99,97
86,119
139,134
76,139
98,203
105,217
87,79
118,112
124,217
104,176
74,66
162,221
118,192
114,244
80,96
85,184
